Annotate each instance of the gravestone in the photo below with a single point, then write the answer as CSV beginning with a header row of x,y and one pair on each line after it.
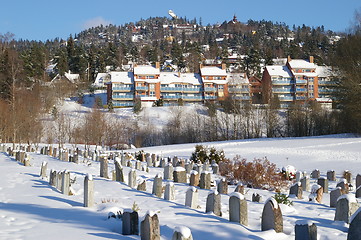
x,y
316,193
348,176
43,169
358,180
189,167
138,165
206,166
215,168
142,186
59,179
305,183
296,190
343,185
194,179
192,197
213,203
345,207
331,175
271,216
238,211
334,195
149,162
157,186
163,162
222,186
169,193
65,183
240,188
179,175
182,233
354,230
305,230
104,167
123,160
88,191
256,197
323,182
299,175
149,227
119,176
168,172
175,161
130,222
52,178
315,174
358,192
132,178
205,180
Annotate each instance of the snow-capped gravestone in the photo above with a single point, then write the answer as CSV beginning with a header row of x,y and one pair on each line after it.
x,y
142,186
182,233
238,211
358,180
119,176
271,216
345,207
65,183
175,161
215,168
88,191
256,197
123,159
348,176
138,165
331,175
168,172
189,167
299,175
323,182
315,174
222,186
149,227
296,190
192,197
354,230
343,185
130,222
316,193
169,193
26,161
104,167
358,192
149,162
52,178
58,182
163,162
240,188
179,175
213,203
334,195
206,166
194,179
157,186
305,230
43,169
132,178
205,180
305,183
50,152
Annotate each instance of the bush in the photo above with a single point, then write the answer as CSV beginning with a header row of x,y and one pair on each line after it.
x,y
282,198
260,173
204,154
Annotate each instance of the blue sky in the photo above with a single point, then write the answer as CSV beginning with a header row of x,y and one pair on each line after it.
x,y
43,19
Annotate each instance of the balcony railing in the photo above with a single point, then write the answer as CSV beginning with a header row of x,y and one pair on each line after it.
x,y
123,96
282,82
210,97
141,88
179,89
238,90
286,98
193,97
123,104
299,81
171,96
326,90
209,89
242,97
301,90
122,88
326,83
300,97
281,90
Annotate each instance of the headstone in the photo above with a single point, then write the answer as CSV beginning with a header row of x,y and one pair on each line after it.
x,y
343,185
205,180
179,175
76,158
305,183
175,161
142,186
215,168
305,230
138,165
354,230
88,191
132,178
163,162
194,179
315,174
104,167
256,197
59,179
43,169
65,183
358,192
331,175
157,186
240,188
206,166
149,162
345,207
123,160
358,180
26,162
169,193
130,222
296,190
52,178
323,182
168,172
149,227
334,195
348,176
316,193
271,216
192,197
299,175
182,233
222,186
189,167
238,208
66,156
213,203
119,176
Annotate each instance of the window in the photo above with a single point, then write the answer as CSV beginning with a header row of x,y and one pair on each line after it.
x,y
152,93
151,86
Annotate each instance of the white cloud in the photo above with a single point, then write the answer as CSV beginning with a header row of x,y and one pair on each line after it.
x,y
94,22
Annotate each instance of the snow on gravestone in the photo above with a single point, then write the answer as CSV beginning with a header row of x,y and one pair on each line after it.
x,y
348,176
213,203
104,167
149,227
52,178
157,186
316,193
343,185
205,180
354,231
331,175
191,197
88,191
323,182
169,193
65,183
119,176
189,167
315,174
222,186
345,207
238,211
168,172
305,230
132,178
305,183
194,178
43,169
182,233
296,190
130,224
180,175
240,188
271,216
334,195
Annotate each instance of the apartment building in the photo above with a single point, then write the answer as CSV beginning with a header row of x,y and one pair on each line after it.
x,y
215,81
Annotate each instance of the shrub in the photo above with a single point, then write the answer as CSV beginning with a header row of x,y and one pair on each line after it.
x,y
282,198
203,154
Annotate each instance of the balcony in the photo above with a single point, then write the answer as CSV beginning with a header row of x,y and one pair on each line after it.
x,y
123,104
282,90
171,96
122,88
242,98
210,97
196,89
127,96
300,97
192,97
332,83
210,89
238,90
301,90
282,82
141,88
299,81
326,90
285,98
179,89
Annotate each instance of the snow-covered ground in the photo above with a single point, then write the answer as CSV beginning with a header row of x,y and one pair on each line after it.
x,y
31,209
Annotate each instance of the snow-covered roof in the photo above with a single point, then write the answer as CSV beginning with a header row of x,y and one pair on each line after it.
x,y
73,77
170,77
122,77
100,79
276,70
324,71
300,63
237,78
213,71
146,70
